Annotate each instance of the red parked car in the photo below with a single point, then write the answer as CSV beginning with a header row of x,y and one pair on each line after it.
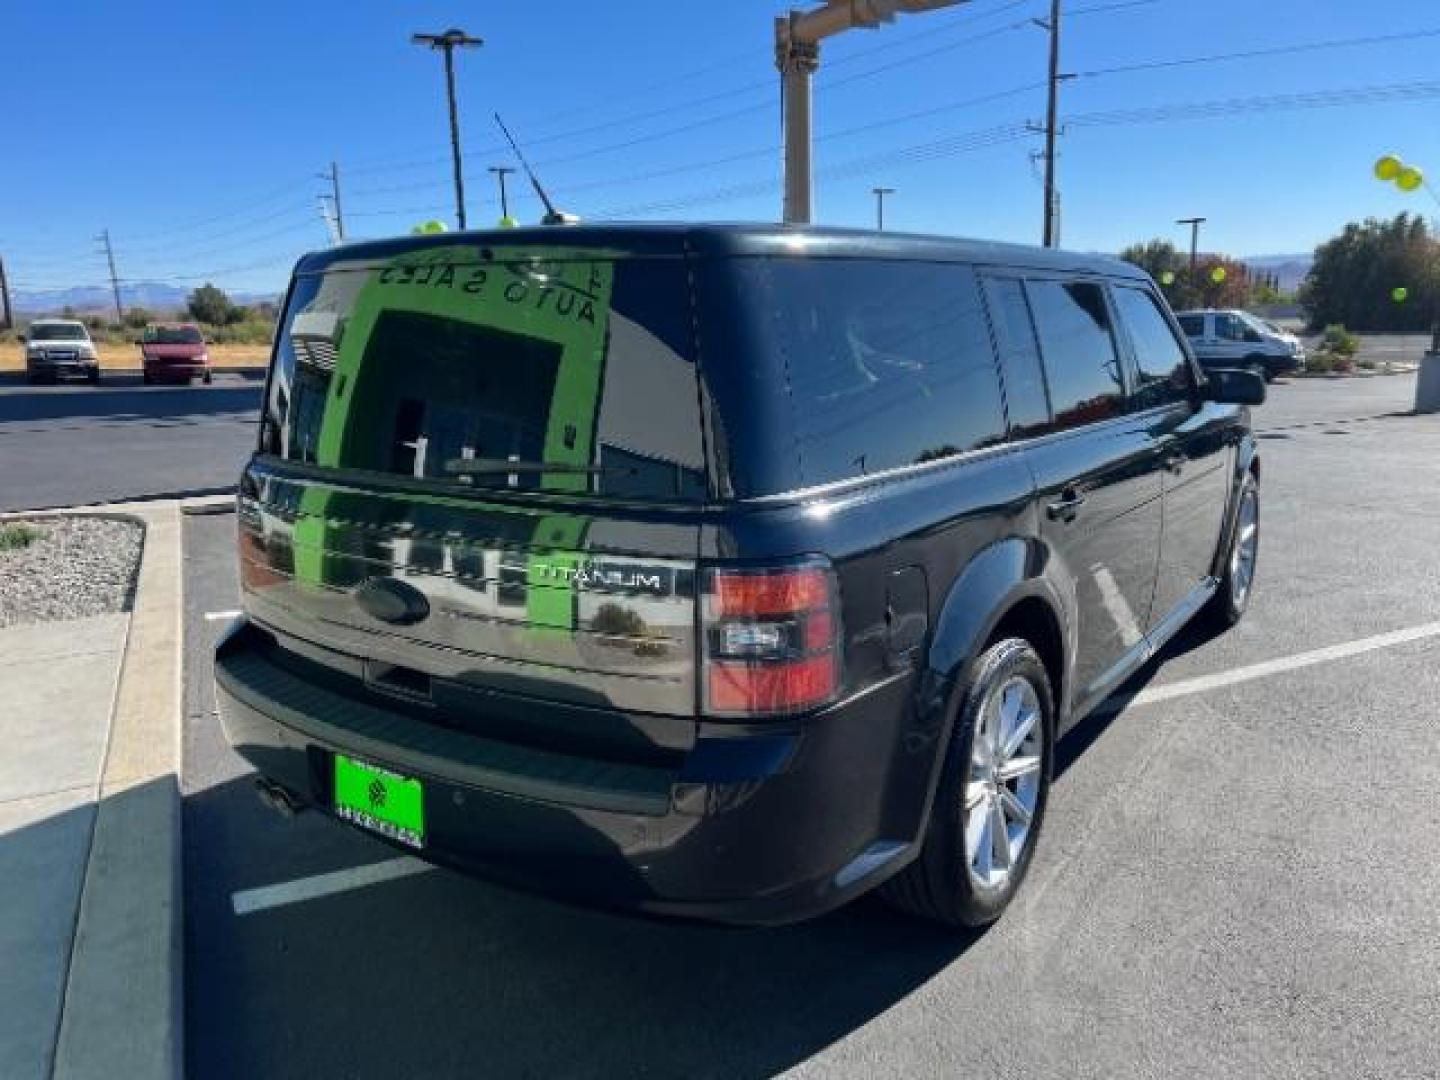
x,y
174,352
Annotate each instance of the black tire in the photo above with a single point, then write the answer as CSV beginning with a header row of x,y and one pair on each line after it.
x,y
939,885
1256,366
1229,604
207,378
146,378
94,377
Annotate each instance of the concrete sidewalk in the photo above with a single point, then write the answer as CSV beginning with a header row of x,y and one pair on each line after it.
x,y
57,694
90,939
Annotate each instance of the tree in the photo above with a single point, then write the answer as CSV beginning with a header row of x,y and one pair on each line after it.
x,y
1160,257
207,304
1356,273
136,318
1154,257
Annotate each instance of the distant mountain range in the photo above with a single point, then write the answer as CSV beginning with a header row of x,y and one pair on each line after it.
x,y
1291,269
155,295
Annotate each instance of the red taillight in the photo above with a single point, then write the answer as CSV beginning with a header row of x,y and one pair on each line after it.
x,y
771,640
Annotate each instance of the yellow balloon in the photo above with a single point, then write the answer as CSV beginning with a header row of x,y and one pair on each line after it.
x,y
508,222
1409,178
1167,278
1388,167
1217,275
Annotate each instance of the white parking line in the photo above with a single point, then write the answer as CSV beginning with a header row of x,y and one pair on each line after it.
x,y
1286,663
219,616
248,901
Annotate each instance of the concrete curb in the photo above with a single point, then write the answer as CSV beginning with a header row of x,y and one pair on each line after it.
x,y
124,996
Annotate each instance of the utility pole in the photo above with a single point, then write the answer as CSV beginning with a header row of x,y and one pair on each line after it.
x,y
7,313
334,177
447,43
500,172
1052,110
797,56
104,238
880,193
1194,223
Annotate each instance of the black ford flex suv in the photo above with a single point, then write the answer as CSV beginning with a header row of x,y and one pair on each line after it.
x,y
725,572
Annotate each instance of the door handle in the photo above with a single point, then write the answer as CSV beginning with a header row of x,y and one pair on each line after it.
x,y
1174,463
1067,506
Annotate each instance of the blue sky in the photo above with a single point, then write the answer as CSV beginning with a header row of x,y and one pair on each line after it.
x,y
193,131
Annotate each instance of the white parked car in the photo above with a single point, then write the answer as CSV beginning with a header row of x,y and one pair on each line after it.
x,y
1236,339
59,348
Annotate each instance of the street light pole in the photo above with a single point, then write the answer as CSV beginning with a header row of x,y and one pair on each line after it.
x,y
880,193
447,43
1194,223
500,172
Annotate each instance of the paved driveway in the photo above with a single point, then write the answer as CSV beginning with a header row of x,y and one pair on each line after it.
x,y
1238,876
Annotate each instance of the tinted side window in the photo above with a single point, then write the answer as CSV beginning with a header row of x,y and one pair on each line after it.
x,y
1082,367
1162,370
1193,325
888,363
1025,395
1229,328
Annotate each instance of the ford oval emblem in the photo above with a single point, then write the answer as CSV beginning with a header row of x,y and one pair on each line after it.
x,y
392,601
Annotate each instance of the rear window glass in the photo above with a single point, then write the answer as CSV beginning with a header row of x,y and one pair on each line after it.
x,y
58,332
530,372
1193,325
886,363
173,335
1077,345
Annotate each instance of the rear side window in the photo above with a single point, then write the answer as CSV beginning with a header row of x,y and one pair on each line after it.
x,y
1161,368
1193,325
887,363
1082,367
1025,395
531,371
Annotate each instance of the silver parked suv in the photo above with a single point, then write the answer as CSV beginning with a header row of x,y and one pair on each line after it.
x,y
59,347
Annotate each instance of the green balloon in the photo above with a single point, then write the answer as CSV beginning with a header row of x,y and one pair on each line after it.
x,y
1409,178
1167,278
1400,294
1388,167
1218,275
508,222
431,226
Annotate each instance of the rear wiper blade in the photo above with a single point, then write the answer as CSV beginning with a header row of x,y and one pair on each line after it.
x,y
483,466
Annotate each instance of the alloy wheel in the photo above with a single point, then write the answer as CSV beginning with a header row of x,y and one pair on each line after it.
x,y
1247,547
1003,790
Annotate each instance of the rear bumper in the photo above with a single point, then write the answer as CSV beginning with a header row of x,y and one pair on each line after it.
x,y
761,826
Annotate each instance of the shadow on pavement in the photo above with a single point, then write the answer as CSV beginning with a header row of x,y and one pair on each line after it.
x,y
442,975
147,403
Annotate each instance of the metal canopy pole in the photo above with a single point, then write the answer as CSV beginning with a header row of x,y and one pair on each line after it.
x,y
797,56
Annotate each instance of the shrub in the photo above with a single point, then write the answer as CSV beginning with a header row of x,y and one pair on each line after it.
x,y
18,535
1339,341
1320,363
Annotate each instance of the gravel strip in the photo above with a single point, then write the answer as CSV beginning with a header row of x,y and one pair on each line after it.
x,y
78,566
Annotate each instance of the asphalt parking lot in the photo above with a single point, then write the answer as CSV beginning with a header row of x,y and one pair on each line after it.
x,y
1237,877
75,444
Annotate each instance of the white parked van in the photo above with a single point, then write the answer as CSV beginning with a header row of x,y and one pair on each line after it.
x,y
1237,339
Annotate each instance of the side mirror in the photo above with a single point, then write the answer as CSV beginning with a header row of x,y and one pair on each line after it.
x,y
1233,387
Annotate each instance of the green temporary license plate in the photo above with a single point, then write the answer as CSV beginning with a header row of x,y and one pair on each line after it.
x,y
380,800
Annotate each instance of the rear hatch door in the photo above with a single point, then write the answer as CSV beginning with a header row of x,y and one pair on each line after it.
x,y
484,464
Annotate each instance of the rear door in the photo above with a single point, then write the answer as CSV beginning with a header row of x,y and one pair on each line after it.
x,y
1194,445
1095,465
513,435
